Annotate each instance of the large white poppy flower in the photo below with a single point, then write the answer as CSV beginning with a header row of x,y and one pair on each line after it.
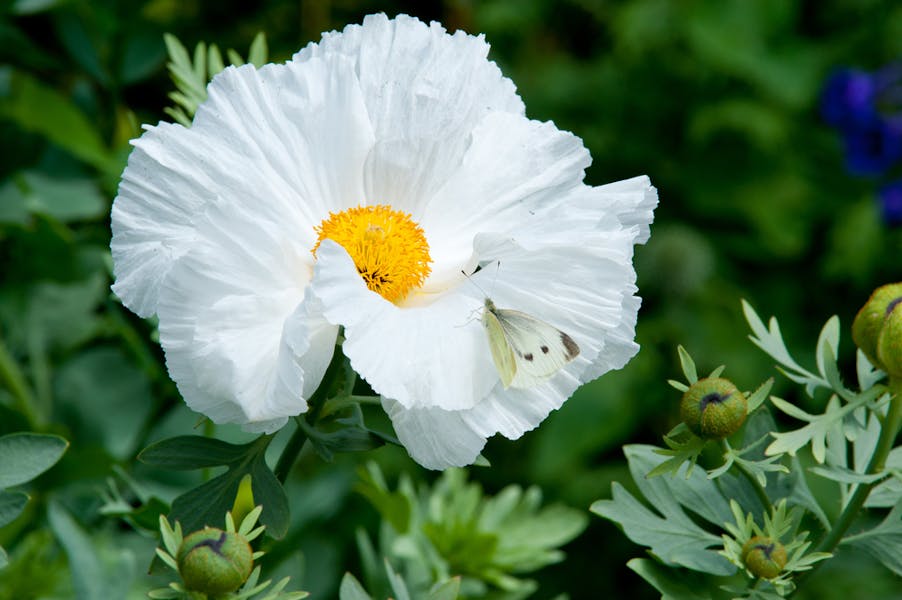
x,y
351,187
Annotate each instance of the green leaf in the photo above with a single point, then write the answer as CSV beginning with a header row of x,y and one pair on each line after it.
x,y
883,542
393,506
189,452
397,583
41,109
63,199
91,578
4,559
27,455
208,503
351,589
845,475
111,413
688,365
670,533
11,506
258,53
667,581
445,590
13,204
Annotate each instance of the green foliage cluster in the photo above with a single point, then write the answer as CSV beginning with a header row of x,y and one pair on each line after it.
x,y
715,100
849,444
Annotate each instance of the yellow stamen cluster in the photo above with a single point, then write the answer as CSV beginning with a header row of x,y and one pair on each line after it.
x,y
388,248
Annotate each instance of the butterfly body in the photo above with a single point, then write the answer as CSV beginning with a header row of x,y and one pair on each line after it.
x,y
526,350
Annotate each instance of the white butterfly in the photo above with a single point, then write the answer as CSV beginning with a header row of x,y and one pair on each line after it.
x,y
526,351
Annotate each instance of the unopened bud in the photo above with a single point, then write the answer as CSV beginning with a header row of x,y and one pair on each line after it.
x,y
713,408
870,319
889,342
213,561
764,557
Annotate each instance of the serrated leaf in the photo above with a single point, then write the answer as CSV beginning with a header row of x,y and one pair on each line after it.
x,y
189,452
827,348
673,536
208,503
27,455
667,581
351,589
889,493
844,475
11,506
883,542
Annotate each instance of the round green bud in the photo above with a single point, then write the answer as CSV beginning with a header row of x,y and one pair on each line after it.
x,y
713,408
764,557
214,561
889,342
869,321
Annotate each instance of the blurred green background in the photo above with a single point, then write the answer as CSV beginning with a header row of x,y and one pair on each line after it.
x,y
716,100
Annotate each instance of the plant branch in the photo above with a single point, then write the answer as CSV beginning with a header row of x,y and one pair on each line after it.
x,y
317,400
885,443
756,485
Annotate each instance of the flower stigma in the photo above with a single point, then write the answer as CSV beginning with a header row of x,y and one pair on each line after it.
x,y
387,246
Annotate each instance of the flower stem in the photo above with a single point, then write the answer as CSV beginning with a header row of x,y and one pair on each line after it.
x,y
756,485
317,400
888,434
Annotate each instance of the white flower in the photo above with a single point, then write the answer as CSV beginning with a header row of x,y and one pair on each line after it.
x,y
402,156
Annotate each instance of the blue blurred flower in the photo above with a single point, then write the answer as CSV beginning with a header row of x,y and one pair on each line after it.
x,y
849,97
874,145
891,202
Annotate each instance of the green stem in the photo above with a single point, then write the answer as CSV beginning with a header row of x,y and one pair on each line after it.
x,y
756,485
317,400
885,443
14,380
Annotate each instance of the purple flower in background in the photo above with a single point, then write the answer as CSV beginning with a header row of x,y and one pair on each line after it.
x,y
849,98
891,202
874,145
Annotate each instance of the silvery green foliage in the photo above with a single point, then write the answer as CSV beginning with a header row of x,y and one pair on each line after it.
x,y
191,76
452,529
758,486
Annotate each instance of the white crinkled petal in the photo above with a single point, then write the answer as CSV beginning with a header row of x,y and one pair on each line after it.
x,y
289,140
242,342
435,438
425,91
269,154
513,168
431,355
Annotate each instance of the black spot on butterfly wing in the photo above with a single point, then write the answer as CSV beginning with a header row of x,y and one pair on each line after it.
x,y
544,349
528,356
572,350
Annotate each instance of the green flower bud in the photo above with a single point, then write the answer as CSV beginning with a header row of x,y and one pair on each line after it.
x,y
764,557
869,320
713,408
214,561
889,342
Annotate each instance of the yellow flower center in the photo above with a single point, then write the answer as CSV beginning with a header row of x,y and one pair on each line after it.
x,y
388,248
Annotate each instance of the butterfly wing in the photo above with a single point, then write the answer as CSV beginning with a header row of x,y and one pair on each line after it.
x,y
540,350
502,353
526,350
